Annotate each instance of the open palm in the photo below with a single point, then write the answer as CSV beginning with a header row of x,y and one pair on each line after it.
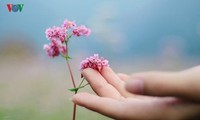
x,y
113,100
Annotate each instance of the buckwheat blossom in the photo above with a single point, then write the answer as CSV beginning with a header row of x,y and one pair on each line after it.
x,y
54,48
68,24
81,30
59,41
51,50
94,62
56,33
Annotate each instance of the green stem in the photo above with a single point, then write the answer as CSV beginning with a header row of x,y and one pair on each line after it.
x,y
79,87
81,83
84,85
67,40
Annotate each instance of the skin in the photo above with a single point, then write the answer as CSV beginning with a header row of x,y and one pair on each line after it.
x,y
148,95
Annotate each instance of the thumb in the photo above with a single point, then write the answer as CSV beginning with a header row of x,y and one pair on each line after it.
x,y
179,84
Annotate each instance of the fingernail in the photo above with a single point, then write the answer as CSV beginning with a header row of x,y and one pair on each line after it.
x,y
135,86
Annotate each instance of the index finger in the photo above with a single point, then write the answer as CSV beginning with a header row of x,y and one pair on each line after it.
x,y
100,85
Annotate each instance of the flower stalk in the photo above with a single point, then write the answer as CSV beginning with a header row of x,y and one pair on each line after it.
x,y
74,85
59,38
71,74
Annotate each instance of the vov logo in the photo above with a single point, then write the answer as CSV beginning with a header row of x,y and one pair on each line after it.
x,y
15,7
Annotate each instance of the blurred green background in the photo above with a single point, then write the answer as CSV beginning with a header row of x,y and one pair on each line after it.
x,y
134,35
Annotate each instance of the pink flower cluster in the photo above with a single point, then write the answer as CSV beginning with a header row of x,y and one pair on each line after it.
x,y
81,30
56,33
59,37
94,62
68,24
54,48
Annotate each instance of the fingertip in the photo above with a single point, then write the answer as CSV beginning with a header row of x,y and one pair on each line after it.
x,y
88,72
76,98
87,100
106,70
135,86
85,71
80,97
103,105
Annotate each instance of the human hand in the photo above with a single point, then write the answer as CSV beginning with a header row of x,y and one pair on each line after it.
x,y
115,101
